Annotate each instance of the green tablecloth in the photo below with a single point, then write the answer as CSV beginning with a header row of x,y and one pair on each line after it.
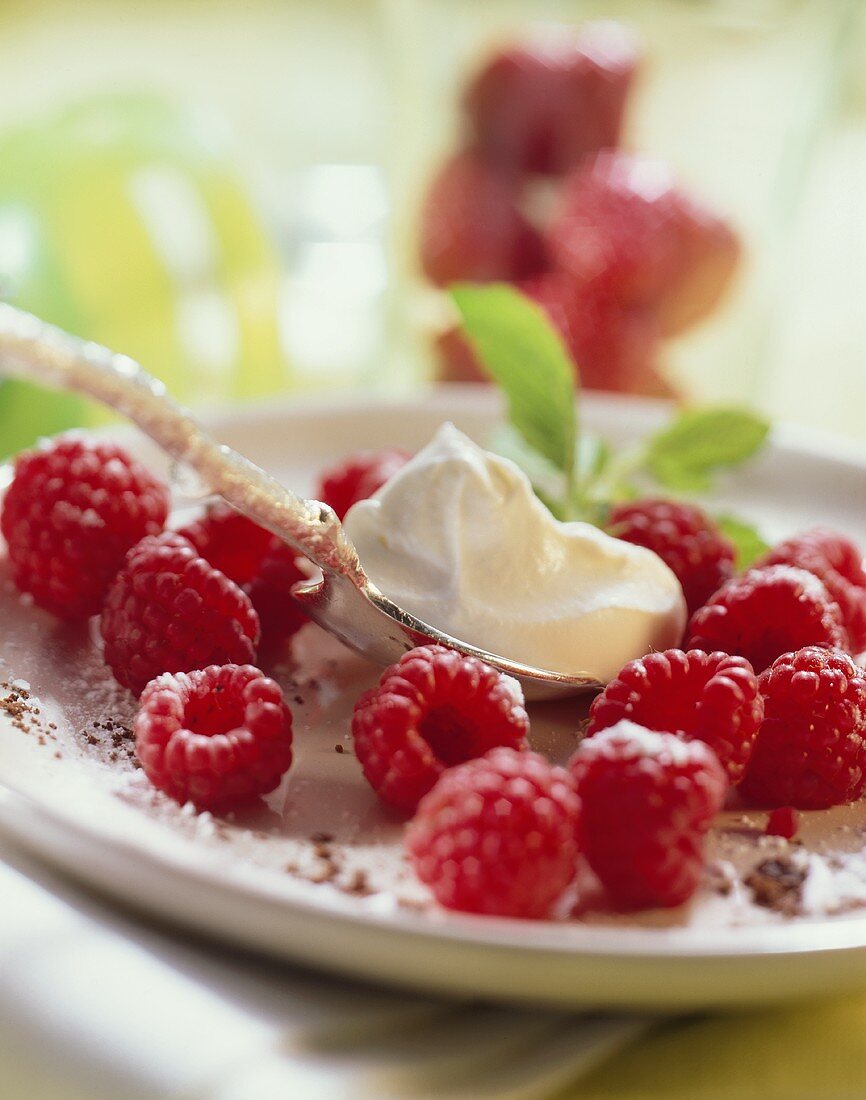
x,y
810,1051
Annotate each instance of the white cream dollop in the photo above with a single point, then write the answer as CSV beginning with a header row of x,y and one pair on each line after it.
x,y
459,539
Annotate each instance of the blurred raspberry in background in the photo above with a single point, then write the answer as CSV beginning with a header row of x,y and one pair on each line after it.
x,y
615,252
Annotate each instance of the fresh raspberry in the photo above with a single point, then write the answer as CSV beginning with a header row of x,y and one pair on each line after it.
x,y
709,255
472,228
217,737
625,227
647,799
455,361
783,822
767,612
261,563
229,542
431,710
497,835
811,748
168,610
543,105
358,477
280,615
684,537
73,510
708,697
838,562
613,347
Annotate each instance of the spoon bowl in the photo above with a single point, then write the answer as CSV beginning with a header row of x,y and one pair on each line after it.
x,y
344,601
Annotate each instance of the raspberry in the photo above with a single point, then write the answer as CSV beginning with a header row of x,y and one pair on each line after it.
x,y
472,228
359,476
647,799
612,346
709,254
684,537
708,697
455,359
543,105
497,835
624,227
218,736
168,610
836,561
73,510
782,822
431,710
229,542
280,615
811,748
767,612
260,563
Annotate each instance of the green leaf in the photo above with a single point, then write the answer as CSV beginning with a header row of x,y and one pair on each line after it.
x,y
701,441
683,479
548,482
594,455
745,537
524,354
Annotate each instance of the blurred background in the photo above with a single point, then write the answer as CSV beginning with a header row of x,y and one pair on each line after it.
x,y
270,197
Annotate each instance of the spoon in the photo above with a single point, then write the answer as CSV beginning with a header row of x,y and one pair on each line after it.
x,y
344,601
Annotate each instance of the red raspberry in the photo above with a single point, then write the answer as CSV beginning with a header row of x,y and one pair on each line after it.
x,y
708,697
73,510
624,227
472,228
431,710
543,105
783,822
168,610
709,255
838,562
218,736
684,537
229,542
613,346
455,359
497,835
767,612
647,799
280,615
358,477
811,749
261,563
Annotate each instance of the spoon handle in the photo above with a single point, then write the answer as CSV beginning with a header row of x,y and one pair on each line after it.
x,y
42,353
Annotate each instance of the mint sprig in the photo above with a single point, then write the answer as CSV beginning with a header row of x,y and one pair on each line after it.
x,y
746,539
526,357
702,441
577,474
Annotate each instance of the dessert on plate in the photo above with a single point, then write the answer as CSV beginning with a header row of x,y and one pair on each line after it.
x,y
715,776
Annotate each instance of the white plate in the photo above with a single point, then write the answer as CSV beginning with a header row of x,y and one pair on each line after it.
x,y
348,903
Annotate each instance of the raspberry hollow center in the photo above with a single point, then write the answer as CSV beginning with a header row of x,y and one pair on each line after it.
x,y
213,712
449,734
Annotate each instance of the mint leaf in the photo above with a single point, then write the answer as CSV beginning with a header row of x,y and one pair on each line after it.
x,y
548,482
524,354
745,537
682,479
594,455
684,455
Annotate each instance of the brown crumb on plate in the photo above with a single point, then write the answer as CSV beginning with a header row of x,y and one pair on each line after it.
x,y
777,884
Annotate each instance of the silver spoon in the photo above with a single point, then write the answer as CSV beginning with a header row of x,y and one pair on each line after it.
x,y
344,601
